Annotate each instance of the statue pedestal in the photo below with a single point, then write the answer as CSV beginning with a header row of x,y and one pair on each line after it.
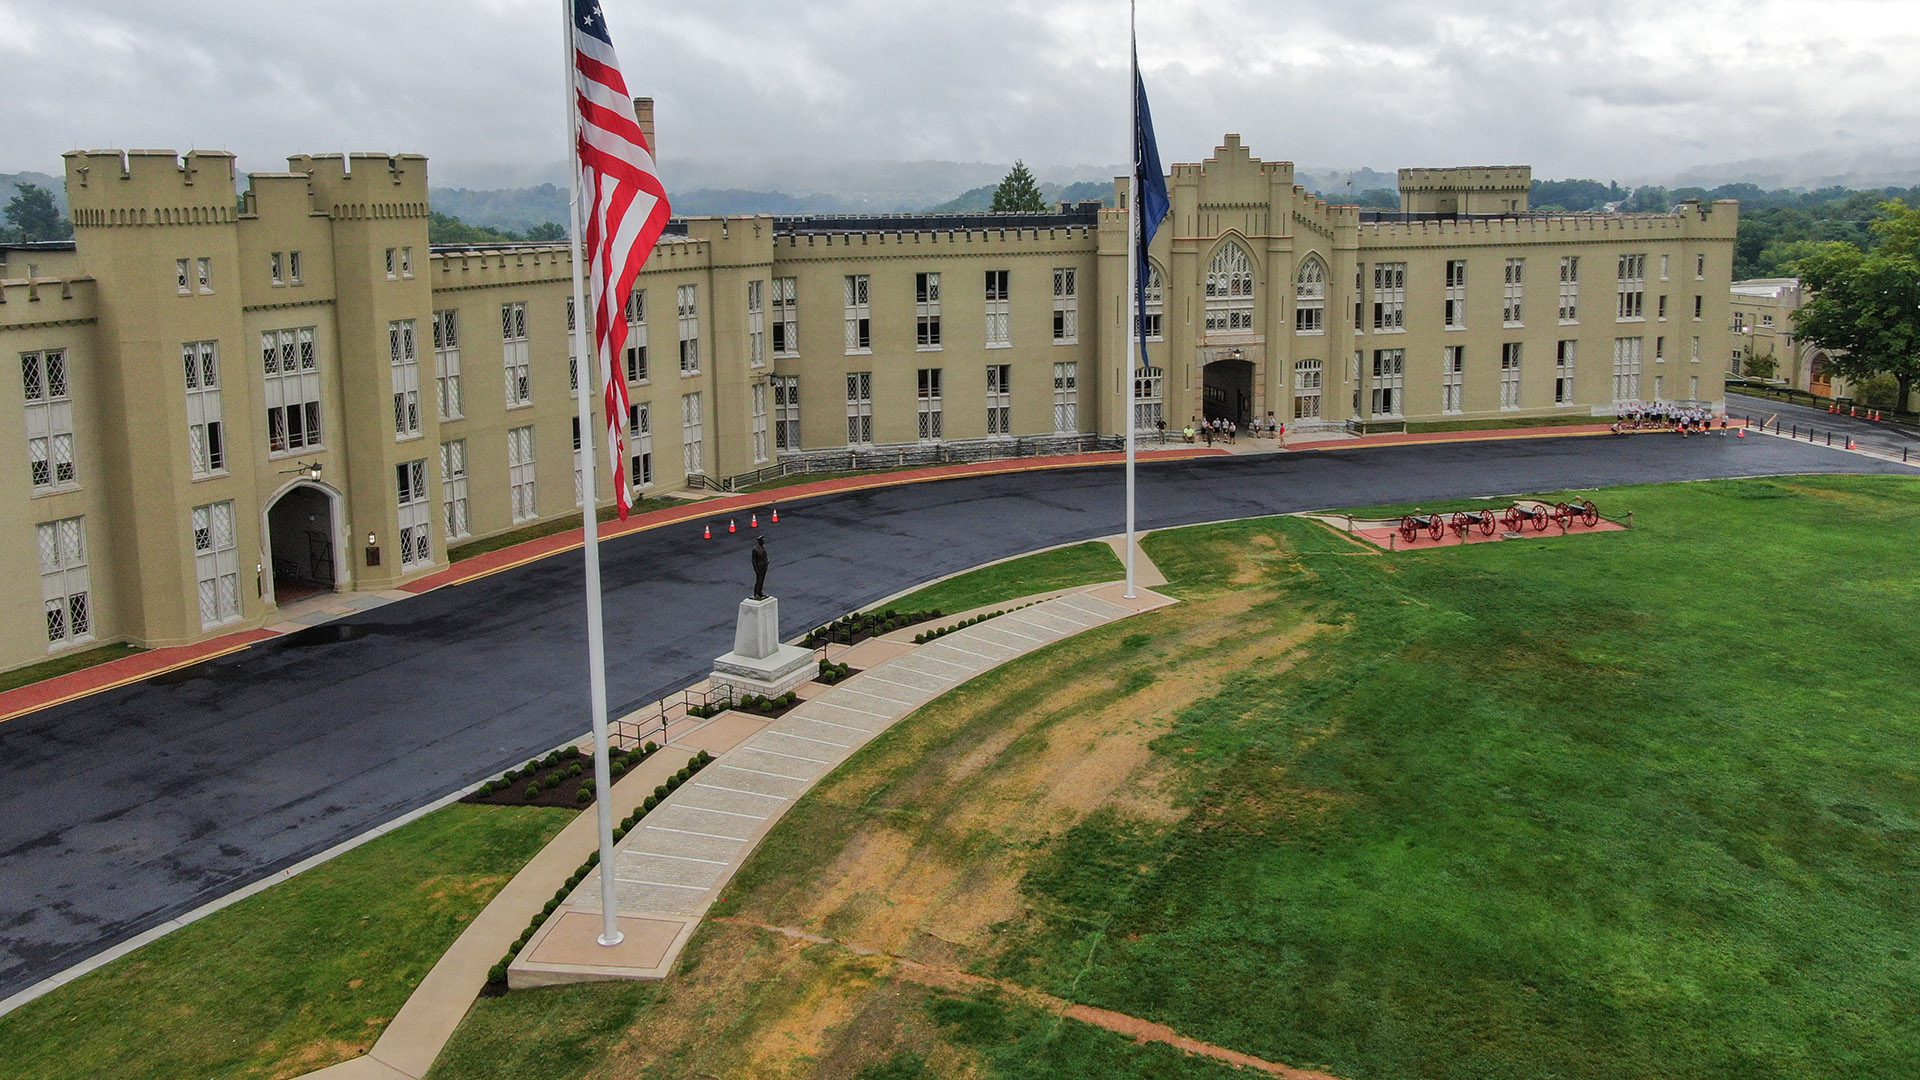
x,y
759,664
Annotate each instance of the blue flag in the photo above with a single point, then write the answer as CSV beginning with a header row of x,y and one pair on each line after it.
x,y
1151,201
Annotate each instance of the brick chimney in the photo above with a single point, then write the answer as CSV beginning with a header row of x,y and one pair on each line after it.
x,y
643,114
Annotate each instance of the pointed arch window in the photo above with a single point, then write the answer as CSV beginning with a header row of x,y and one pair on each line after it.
x,y
1310,297
1156,303
1230,291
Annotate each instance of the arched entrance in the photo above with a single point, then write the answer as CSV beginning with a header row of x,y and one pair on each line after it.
x,y
1820,375
303,528
1229,390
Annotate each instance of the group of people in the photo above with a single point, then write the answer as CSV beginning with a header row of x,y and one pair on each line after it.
x,y
1217,427
1659,415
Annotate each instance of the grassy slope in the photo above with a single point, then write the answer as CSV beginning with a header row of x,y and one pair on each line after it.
x,y
1081,564
1602,807
65,664
294,978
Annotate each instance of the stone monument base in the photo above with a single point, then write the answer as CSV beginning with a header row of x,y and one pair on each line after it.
x,y
759,664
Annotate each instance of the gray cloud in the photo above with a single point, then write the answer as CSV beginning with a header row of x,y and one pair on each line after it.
x,y
1630,89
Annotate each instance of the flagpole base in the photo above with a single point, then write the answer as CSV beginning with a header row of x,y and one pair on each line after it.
x,y
613,939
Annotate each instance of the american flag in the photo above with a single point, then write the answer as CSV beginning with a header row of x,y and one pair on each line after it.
x,y
626,210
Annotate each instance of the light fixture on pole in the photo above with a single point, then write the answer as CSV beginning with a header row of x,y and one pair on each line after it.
x,y
308,469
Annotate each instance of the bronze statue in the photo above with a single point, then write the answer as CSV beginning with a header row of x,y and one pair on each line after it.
x,y
760,569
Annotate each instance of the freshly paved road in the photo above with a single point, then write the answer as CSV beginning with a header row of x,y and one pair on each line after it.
x,y
1883,437
120,811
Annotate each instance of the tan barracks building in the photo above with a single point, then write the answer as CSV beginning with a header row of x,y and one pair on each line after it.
x,y
229,398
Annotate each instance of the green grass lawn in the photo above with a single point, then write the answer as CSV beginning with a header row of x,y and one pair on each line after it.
x,y
1061,568
1622,806
291,979
65,664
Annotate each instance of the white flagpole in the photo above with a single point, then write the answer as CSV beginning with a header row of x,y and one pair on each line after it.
x,y
585,366
1127,368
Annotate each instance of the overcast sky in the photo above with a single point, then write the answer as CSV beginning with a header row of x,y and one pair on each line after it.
x,y
1629,88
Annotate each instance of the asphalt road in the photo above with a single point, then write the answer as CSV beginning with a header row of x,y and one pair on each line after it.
x,y
122,810
1882,437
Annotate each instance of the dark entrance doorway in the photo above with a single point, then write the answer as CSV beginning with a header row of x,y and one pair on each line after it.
x,y
1229,391
300,543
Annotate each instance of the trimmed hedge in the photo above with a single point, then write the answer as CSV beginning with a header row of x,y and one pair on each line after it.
x,y
923,638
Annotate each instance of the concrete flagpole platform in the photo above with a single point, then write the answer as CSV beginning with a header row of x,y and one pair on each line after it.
x,y
672,866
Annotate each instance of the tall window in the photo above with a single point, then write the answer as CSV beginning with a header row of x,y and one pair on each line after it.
x,y
1307,375
579,480
1229,292
786,319
1149,398
416,535
49,413
999,399
520,473
1389,380
1662,310
203,273
293,390
1066,306
928,405
1456,298
446,362
1066,398
786,412
1390,296
206,434
693,443
1660,350
926,311
1696,349
293,268
1697,301
636,358
182,277
277,267
1563,357
216,563
757,323
518,359
859,408
999,311
1699,267
1659,388
1570,289
1633,287
405,363
1513,299
65,589
760,454
640,431
859,315
1156,304
1510,375
453,489
1453,377
1310,297
687,298
1359,308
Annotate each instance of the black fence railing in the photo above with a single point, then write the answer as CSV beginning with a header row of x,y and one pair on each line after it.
x,y
1841,440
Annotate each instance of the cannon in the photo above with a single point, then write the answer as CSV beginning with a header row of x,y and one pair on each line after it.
x,y
1583,512
1518,517
1484,520
1411,526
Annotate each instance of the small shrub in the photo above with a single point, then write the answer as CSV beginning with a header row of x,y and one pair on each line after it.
x,y
550,905
683,774
649,748
660,792
703,757
511,775
577,752
552,759
616,767
584,795
574,770
651,802
533,789
497,974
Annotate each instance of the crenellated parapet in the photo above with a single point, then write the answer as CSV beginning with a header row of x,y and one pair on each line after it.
x,y
363,186
47,302
149,188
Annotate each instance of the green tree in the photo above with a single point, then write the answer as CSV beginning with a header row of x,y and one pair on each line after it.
x,y
1018,193
548,232
32,215
1865,309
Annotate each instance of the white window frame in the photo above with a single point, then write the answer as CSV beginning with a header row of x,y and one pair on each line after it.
x,y
206,430
1229,291
640,444
859,408
216,561
786,412
1569,290
1000,399
290,364
203,271
522,475
929,405
1066,305
1156,306
1566,356
446,363
1453,378
687,311
1512,357
1309,379
759,418
182,277
293,269
1389,383
999,309
1310,297
415,516
1513,296
1628,354
1632,276
757,323
403,359
66,588
455,507
1066,397
276,267
1454,310
926,312
516,354
693,426
1389,298
47,388
786,318
857,293
1149,398
637,364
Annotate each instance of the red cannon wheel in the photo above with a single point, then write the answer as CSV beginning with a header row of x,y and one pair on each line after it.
x,y
1487,523
1541,518
1460,525
1563,512
1408,530
1436,526
1589,513
1512,519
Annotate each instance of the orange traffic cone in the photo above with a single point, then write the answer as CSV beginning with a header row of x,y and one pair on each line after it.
x,y
754,521
1850,444
707,533
776,515
1876,416
1740,434
730,526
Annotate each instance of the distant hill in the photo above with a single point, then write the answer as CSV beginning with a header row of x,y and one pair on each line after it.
x,y
10,183
980,200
